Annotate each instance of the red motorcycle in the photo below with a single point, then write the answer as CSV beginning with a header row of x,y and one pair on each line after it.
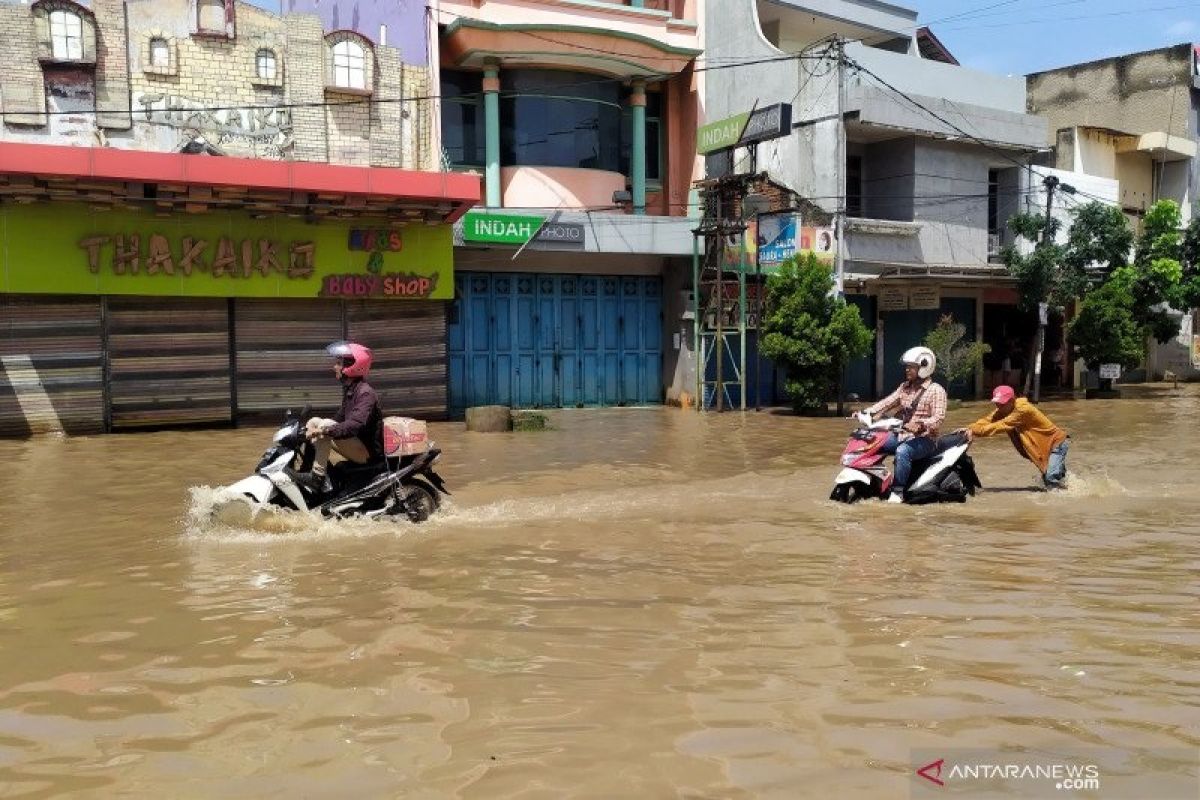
x,y
948,476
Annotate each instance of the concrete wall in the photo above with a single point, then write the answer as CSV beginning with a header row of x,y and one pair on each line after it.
x,y
733,91
558,187
883,17
889,179
1095,153
1137,93
881,107
956,84
1194,128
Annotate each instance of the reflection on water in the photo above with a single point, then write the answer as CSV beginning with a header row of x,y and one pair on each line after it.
x,y
639,603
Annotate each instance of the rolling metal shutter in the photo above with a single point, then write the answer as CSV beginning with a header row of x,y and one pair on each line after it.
x,y
281,361
408,340
51,368
168,361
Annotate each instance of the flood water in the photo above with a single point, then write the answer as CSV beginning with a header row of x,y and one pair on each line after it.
x,y
639,603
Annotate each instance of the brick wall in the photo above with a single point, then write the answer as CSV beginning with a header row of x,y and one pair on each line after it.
x,y
305,82
23,89
419,150
165,106
112,66
214,72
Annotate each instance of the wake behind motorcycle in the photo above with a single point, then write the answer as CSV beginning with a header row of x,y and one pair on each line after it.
x,y
948,476
403,485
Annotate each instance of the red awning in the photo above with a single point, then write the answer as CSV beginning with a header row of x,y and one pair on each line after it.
x,y
451,194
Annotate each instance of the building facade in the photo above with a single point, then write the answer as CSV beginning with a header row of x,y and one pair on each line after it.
x,y
580,118
1134,121
197,196
916,158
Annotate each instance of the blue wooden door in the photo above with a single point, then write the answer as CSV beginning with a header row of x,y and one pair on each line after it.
x,y
555,340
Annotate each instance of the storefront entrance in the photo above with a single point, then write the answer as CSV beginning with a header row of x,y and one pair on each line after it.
x,y
535,340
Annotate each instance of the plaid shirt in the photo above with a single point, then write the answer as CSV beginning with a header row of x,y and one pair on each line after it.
x,y
931,408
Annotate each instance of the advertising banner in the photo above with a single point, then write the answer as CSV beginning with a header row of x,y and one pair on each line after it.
x,y
72,249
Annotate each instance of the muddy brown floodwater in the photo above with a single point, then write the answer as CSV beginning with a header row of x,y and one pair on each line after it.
x,y
639,603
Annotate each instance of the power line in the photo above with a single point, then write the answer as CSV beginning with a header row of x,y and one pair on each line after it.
x,y
372,101
1074,19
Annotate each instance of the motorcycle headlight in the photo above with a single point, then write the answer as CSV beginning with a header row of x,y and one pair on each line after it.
x,y
849,459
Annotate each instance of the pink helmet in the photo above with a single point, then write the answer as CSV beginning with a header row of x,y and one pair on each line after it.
x,y
356,358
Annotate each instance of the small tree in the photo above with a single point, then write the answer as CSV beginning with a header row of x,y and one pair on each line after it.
x,y
1041,274
1188,293
1098,242
1106,330
810,332
1157,273
956,360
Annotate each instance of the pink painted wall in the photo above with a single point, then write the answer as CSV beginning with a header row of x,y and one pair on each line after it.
x,y
552,187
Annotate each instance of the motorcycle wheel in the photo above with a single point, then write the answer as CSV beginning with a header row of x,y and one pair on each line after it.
x,y
416,500
847,493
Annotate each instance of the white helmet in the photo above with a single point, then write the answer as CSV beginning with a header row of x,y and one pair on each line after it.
x,y
923,358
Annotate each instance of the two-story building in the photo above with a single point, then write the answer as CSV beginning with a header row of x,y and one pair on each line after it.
x,y
580,116
196,196
1133,121
915,157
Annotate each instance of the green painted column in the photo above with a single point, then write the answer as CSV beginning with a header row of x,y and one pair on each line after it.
x,y
491,134
637,147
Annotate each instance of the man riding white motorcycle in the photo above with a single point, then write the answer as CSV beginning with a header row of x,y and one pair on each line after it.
x,y
922,404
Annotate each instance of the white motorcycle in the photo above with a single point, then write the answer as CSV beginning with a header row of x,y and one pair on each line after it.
x,y
401,486
948,476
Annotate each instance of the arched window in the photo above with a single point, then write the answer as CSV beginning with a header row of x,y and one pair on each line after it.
x,y
160,52
265,64
66,35
349,65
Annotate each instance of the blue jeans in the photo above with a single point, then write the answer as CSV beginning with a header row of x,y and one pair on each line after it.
x,y
1056,470
914,449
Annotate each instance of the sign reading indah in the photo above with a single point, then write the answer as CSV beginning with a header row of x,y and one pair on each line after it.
x,y
768,122
500,228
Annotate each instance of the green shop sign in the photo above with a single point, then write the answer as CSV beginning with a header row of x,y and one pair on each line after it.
x,y
721,134
500,228
71,249
768,122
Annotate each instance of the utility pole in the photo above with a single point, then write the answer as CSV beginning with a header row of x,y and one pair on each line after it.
x,y
1051,183
840,220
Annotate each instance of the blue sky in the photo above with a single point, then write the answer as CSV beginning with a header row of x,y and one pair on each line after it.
x,y
1022,36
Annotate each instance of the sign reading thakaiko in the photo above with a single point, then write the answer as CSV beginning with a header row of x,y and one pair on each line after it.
x,y
70,249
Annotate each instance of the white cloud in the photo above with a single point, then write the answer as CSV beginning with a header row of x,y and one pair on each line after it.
x,y
1184,27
